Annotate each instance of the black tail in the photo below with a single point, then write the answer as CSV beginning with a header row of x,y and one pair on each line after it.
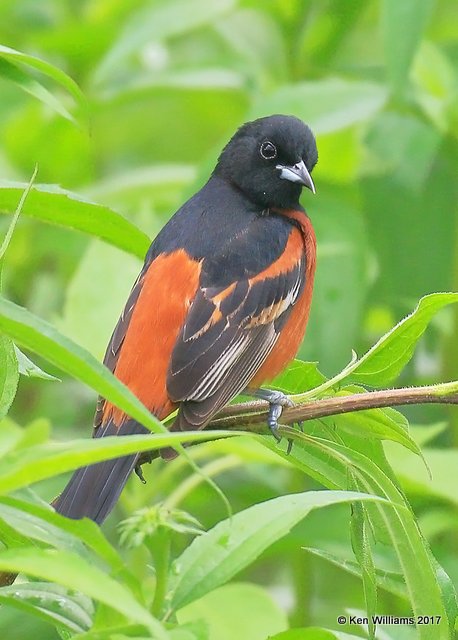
x,y
93,491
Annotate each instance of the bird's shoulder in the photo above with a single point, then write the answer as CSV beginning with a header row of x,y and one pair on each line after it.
x,y
229,235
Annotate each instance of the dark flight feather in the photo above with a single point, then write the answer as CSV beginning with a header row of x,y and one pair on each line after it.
x,y
94,490
213,362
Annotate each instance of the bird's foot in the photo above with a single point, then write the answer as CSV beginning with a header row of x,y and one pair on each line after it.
x,y
144,458
277,401
139,472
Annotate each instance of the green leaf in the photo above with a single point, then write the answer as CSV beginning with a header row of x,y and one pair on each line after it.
x,y
82,576
313,461
44,524
30,369
42,338
25,523
391,581
237,611
257,41
392,137
125,632
314,633
26,466
36,432
11,65
10,435
52,204
17,213
216,556
11,537
360,532
245,449
156,23
338,304
403,24
52,603
26,82
386,359
427,584
414,218
297,377
414,478
11,359
433,76
194,79
88,312
9,374
383,424
157,183
326,105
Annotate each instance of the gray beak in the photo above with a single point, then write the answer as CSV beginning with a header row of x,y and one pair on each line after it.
x,y
297,173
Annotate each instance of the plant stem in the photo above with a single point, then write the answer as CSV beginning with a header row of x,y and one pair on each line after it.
x,y
189,484
251,414
301,566
159,547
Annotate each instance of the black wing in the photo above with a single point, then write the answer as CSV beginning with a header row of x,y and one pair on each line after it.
x,y
228,334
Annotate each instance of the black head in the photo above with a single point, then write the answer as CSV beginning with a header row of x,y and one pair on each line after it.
x,y
270,159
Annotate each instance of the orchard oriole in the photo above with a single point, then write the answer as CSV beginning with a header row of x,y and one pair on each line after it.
x,y
221,303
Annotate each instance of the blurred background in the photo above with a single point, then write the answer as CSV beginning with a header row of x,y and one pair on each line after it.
x,y
167,85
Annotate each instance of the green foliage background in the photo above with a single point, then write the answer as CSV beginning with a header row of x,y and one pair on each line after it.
x,y
165,86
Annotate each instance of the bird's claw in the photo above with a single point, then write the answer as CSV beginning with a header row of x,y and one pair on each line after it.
x,y
146,457
139,472
277,401
272,420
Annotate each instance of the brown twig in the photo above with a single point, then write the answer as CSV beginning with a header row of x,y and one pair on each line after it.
x,y
253,414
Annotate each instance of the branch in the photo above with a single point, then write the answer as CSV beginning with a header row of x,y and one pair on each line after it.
x,y
251,414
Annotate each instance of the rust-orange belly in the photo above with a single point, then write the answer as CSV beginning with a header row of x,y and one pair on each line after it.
x,y
293,332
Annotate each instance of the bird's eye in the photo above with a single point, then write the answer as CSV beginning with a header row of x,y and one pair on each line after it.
x,y
268,150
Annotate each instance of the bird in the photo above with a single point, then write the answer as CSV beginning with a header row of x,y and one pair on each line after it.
x,y
220,306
